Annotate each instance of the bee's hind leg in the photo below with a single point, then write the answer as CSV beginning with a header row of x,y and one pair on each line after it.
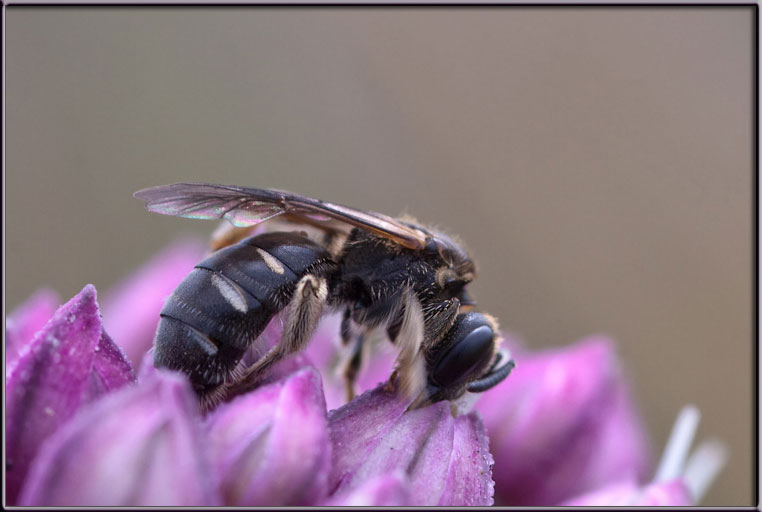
x,y
209,400
304,313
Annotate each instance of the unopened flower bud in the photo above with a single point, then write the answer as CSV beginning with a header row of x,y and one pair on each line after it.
x,y
140,446
562,424
69,363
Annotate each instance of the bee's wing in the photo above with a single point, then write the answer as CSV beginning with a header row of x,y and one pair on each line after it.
x,y
250,206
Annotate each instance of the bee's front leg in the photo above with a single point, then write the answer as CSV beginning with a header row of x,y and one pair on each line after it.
x,y
433,322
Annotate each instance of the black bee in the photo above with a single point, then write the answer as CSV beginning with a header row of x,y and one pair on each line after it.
x,y
382,272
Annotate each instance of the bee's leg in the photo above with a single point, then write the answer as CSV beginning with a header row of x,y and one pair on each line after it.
x,y
228,234
395,324
304,313
410,369
347,328
392,383
438,319
211,399
352,366
417,329
353,334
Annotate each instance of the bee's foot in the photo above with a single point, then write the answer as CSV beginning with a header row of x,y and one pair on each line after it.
x,y
391,385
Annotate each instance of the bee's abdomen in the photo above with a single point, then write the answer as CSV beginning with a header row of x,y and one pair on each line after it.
x,y
225,303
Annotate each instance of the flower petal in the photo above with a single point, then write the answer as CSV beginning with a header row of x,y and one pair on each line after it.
x,y
419,442
131,309
141,446
147,370
70,362
438,453
390,490
24,322
617,494
358,427
110,369
563,424
471,461
270,447
672,493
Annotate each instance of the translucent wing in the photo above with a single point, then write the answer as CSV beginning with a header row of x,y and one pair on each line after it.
x,y
249,206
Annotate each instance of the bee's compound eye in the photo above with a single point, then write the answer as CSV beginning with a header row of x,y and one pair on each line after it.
x,y
472,352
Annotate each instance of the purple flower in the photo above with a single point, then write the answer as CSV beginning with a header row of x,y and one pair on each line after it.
x,y
279,446
390,490
139,446
563,424
562,428
445,459
630,494
271,447
70,362
679,480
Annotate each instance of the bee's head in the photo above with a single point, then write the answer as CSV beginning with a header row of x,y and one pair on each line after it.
x,y
469,359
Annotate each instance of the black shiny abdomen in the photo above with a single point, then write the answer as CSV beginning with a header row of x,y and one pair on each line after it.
x,y
225,303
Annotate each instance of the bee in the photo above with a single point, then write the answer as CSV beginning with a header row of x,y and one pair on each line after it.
x,y
379,271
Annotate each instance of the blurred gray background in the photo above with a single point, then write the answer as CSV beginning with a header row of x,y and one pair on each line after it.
x,y
597,161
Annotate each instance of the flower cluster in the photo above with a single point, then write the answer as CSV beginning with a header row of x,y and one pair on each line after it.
x,y
84,428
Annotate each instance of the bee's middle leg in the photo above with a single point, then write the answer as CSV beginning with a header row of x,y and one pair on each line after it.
x,y
352,367
354,334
